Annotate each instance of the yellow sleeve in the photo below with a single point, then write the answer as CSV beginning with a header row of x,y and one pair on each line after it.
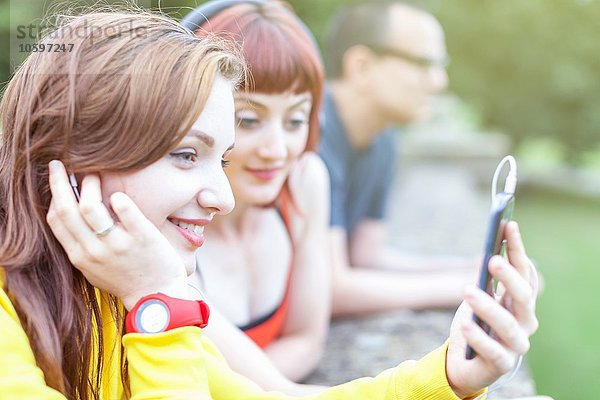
x,y
168,365
20,377
415,380
183,364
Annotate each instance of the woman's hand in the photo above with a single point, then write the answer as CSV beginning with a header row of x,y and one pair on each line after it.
x,y
512,320
129,258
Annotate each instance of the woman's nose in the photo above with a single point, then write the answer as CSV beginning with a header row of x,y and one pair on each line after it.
x,y
217,197
274,146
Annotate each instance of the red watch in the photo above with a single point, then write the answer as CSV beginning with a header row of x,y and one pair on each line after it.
x,y
158,313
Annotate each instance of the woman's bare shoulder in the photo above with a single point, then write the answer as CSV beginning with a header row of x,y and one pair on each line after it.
x,y
309,186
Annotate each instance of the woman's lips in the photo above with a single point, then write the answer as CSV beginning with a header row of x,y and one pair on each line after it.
x,y
194,235
264,174
196,240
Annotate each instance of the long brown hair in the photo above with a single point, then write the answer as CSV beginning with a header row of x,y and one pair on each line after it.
x,y
125,94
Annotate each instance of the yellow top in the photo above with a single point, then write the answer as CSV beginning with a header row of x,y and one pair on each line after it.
x,y
183,364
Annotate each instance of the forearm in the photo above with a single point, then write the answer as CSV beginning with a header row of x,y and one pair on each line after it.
x,y
391,258
414,380
369,248
295,356
360,291
246,358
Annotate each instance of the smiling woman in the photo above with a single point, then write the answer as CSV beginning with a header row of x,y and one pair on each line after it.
x,y
101,109
181,192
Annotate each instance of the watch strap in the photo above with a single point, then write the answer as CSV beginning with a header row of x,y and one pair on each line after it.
x,y
181,312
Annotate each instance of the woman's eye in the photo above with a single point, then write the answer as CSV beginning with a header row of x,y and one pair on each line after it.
x,y
186,157
247,122
225,163
296,123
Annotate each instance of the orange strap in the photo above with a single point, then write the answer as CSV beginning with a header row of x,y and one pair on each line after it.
x,y
269,330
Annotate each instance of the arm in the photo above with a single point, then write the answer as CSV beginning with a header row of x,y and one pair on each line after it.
x,y
414,380
169,365
298,350
362,290
245,357
182,364
369,249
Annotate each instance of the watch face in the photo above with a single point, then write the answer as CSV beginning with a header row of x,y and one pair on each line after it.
x,y
152,317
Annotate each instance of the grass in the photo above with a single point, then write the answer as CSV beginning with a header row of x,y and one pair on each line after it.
x,y
562,235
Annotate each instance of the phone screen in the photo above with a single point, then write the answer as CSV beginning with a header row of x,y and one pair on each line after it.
x,y
500,214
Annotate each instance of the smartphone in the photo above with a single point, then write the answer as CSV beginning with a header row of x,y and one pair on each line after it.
x,y
500,214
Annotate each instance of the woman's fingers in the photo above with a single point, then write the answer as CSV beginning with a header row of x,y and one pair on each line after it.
x,y
516,250
130,216
501,321
490,351
92,209
60,231
65,207
518,293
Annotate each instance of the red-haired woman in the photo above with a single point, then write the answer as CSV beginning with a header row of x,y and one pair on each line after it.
x,y
265,267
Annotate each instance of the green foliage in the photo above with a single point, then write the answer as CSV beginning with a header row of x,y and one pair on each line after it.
x,y
529,66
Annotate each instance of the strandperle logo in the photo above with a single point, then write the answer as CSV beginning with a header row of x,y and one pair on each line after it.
x,y
30,21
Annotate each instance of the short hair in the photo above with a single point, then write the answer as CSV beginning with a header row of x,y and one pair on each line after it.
x,y
362,23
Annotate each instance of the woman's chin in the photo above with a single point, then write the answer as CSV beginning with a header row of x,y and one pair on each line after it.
x,y
264,201
262,197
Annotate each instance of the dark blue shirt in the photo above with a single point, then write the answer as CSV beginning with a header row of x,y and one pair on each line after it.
x,y
360,178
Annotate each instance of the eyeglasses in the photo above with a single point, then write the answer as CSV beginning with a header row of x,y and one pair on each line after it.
x,y
423,62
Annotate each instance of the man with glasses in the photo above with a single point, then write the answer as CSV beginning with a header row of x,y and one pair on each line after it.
x,y
386,62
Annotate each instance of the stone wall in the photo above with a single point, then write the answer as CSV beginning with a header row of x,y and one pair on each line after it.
x,y
367,346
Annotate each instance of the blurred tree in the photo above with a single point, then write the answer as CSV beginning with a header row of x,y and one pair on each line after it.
x,y
528,66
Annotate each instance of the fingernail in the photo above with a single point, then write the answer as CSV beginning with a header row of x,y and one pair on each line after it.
x,y
54,166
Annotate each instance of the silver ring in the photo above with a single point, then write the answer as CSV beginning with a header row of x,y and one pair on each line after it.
x,y
106,231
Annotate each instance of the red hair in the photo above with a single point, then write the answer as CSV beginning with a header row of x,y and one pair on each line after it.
x,y
279,51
